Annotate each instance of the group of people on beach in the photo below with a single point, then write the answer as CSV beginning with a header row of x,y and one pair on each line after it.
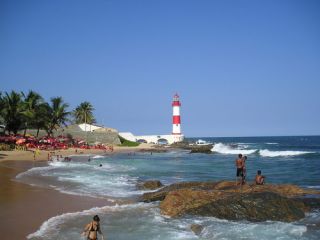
x,y
241,173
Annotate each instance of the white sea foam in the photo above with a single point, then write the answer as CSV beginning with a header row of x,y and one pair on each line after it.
x,y
268,153
73,178
313,187
226,149
98,156
32,171
50,228
247,230
134,221
271,143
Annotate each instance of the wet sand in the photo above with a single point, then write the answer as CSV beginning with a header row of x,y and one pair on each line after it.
x,y
23,208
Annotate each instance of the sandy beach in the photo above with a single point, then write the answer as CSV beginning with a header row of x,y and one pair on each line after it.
x,y
17,220
43,155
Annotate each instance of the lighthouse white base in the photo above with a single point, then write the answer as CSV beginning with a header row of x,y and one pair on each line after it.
x,y
155,139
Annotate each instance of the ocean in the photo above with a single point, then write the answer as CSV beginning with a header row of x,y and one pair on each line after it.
x,y
294,160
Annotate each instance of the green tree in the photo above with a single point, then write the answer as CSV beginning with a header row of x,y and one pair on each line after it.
x,y
11,111
57,115
41,117
1,108
31,106
84,113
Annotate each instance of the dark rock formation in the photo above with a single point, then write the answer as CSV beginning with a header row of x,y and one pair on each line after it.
x,y
196,228
193,147
201,149
233,206
311,203
149,185
226,200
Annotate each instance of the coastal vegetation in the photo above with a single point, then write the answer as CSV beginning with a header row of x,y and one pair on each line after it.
x,y
83,113
127,143
21,111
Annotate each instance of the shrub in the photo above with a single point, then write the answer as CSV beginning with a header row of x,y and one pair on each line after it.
x,y
6,147
127,143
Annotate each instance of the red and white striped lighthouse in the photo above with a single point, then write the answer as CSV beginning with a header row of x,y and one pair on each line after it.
x,y
176,120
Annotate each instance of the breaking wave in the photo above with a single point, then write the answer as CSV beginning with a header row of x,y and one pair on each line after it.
x,y
226,149
98,156
50,228
268,153
229,149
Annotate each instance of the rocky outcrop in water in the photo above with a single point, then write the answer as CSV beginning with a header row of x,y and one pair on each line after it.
x,y
196,228
149,185
193,148
201,149
252,207
227,201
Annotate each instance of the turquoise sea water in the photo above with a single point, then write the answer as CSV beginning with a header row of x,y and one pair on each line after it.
x,y
294,160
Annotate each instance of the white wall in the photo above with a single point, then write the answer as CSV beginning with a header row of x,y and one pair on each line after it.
x,y
88,127
154,138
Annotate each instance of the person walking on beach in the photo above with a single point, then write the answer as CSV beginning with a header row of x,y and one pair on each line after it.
x,y
239,165
92,229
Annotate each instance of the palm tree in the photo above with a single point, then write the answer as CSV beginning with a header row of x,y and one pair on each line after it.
x,y
31,104
11,111
57,115
1,107
83,113
41,117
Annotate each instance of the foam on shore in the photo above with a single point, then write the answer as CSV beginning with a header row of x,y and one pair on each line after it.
x,y
132,221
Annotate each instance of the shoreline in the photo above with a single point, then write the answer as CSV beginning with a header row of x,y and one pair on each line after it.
x,y
43,154
23,208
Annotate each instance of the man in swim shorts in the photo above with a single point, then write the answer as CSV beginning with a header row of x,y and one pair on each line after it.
x,y
239,165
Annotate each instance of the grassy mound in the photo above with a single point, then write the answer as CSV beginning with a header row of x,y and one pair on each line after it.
x,y
127,143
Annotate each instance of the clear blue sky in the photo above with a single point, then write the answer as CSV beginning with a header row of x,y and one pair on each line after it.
x,y
242,68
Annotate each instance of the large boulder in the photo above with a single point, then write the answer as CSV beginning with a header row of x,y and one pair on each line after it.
x,y
201,149
227,200
233,206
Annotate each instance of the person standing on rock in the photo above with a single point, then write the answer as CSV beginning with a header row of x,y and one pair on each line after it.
x,y
239,165
244,169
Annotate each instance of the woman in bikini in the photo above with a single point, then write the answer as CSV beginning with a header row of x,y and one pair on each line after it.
x,y
92,229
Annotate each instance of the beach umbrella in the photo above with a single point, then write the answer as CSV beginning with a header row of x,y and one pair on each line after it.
x,y
21,141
